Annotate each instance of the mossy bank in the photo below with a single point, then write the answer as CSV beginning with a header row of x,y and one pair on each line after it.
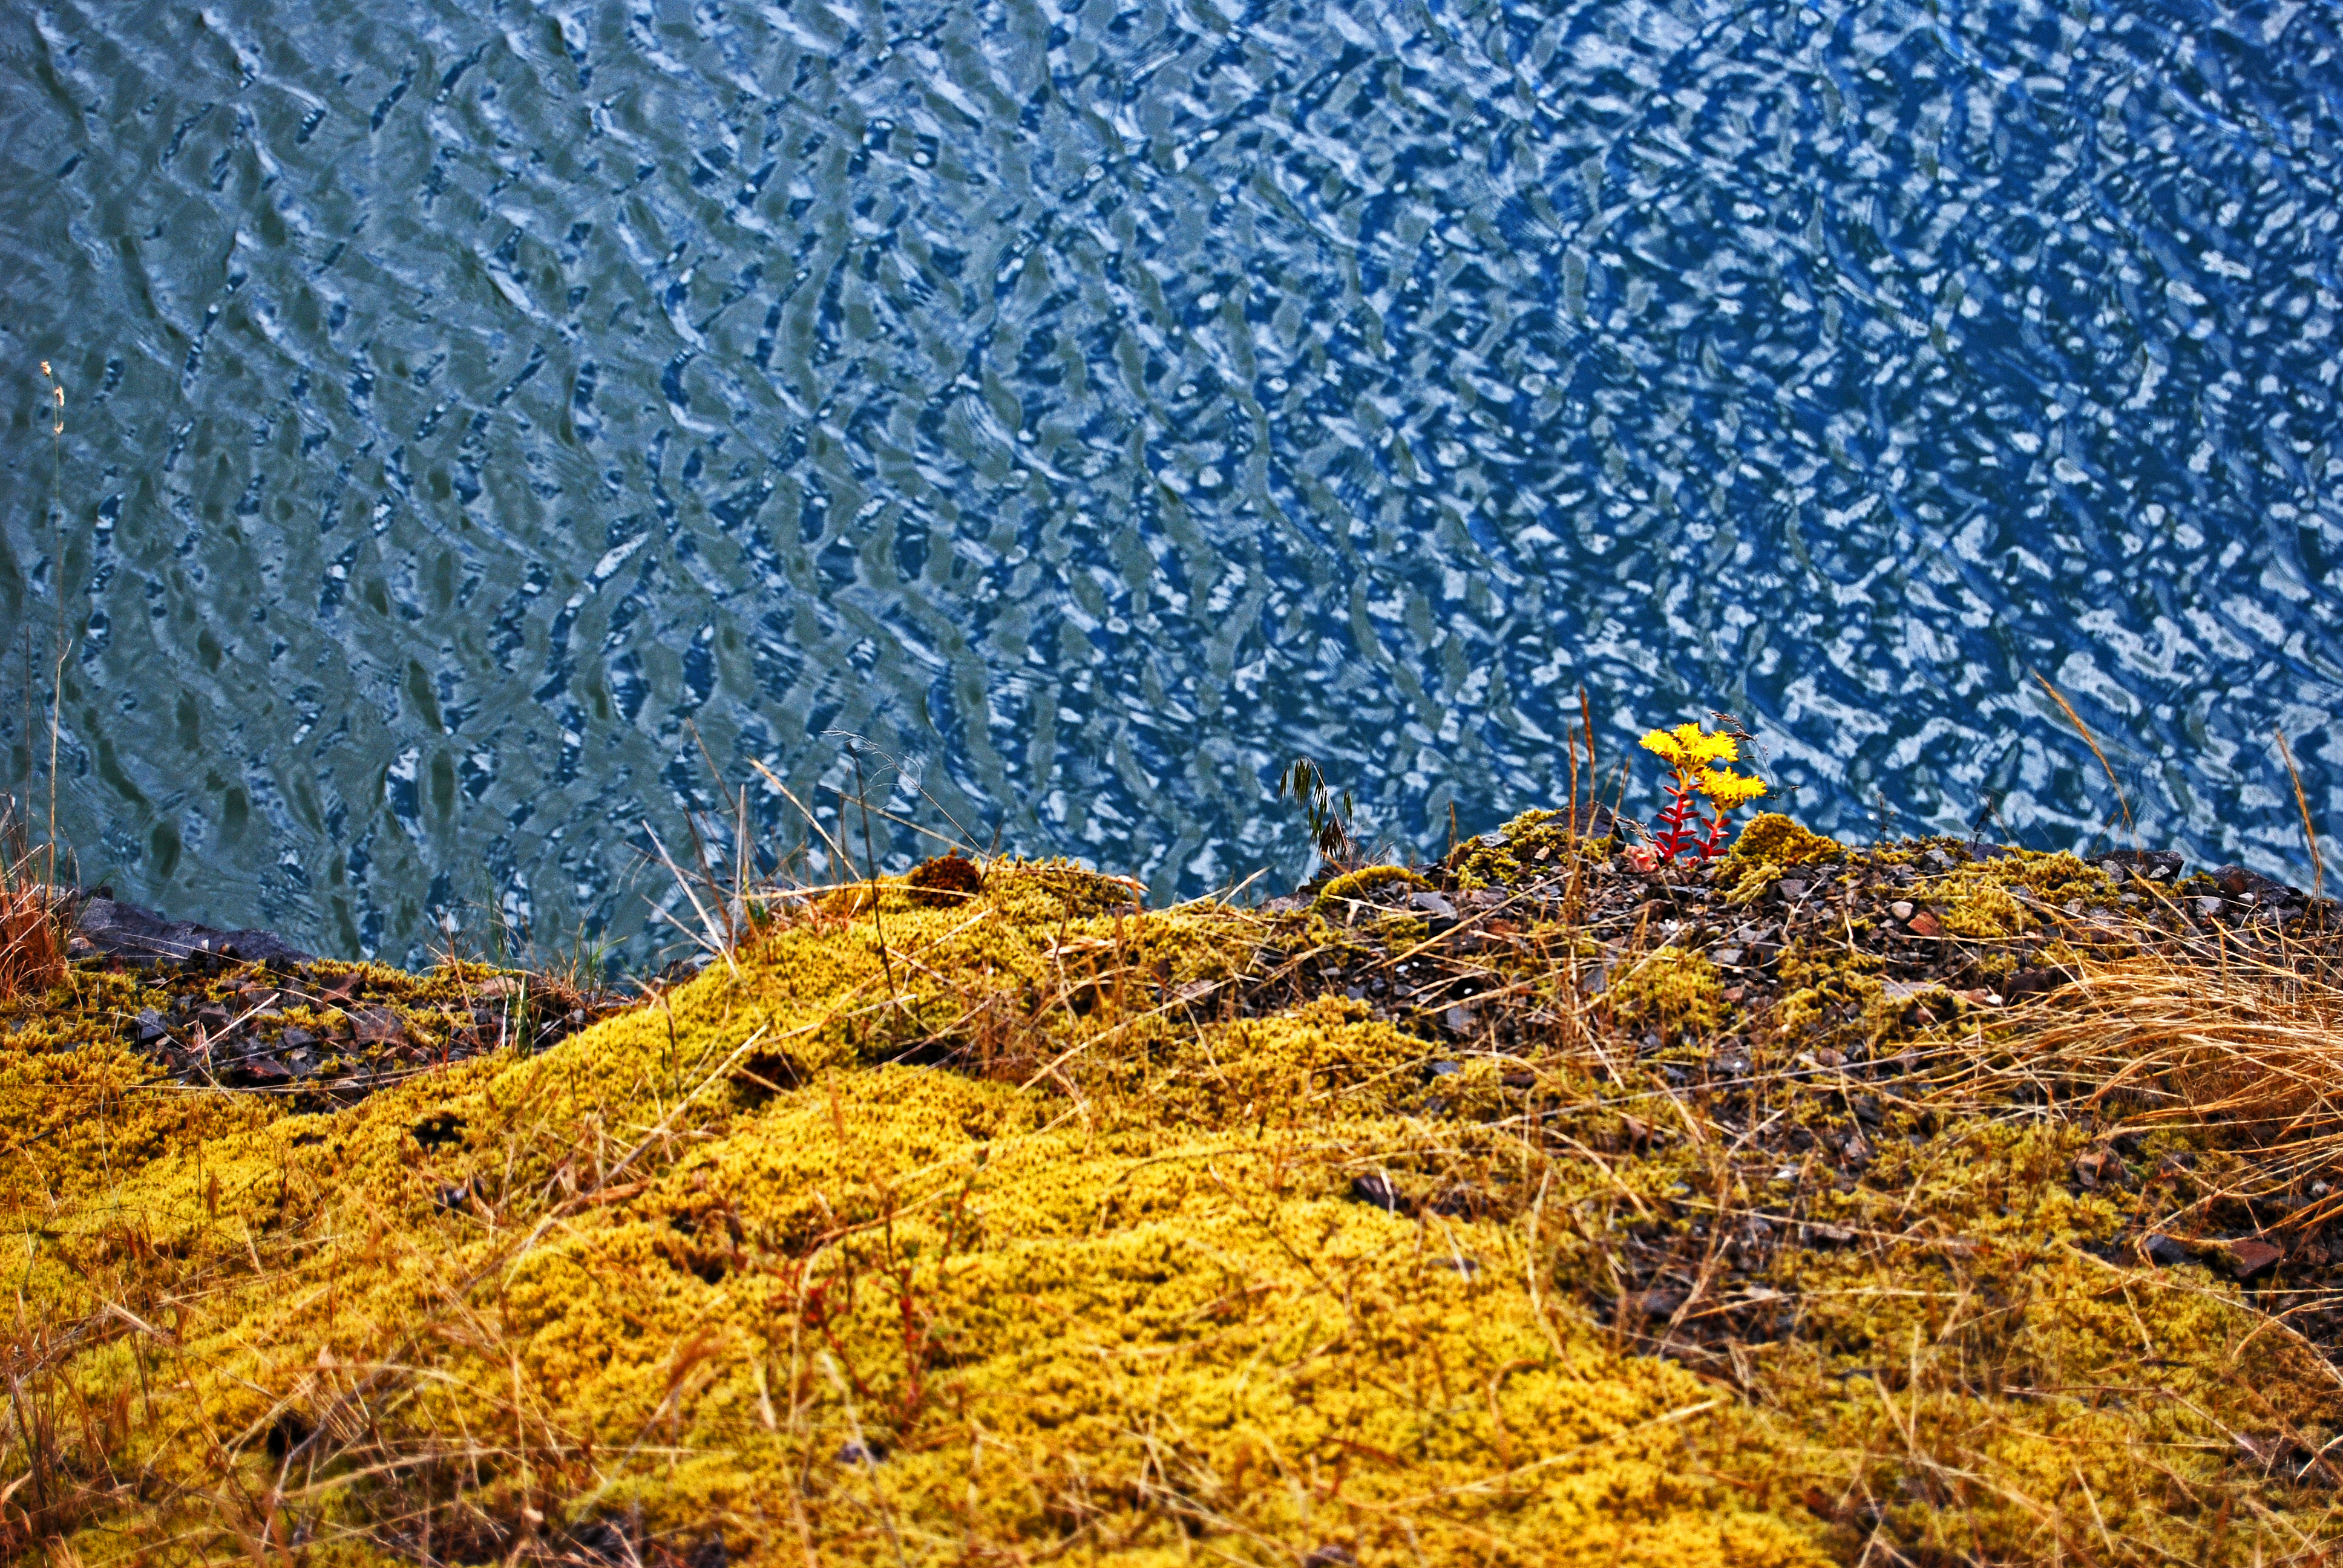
x,y
1529,1209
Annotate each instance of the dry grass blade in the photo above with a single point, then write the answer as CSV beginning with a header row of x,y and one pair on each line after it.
x,y
2302,804
2084,730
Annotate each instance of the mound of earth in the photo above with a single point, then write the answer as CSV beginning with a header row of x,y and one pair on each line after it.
x,y
1825,1204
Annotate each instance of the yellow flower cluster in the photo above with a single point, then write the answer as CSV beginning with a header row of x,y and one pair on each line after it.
x,y
1698,759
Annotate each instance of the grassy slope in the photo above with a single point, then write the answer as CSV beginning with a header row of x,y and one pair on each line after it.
x,y
1098,1285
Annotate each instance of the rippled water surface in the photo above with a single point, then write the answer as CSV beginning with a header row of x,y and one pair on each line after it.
x,y
477,410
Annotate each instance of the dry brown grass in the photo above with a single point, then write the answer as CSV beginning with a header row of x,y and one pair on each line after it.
x,y
31,941
2244,1048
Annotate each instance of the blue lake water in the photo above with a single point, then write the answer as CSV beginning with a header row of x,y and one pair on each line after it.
x,y
475,412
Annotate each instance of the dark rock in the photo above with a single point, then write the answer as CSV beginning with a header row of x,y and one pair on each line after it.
x,y
296,1039
1660,1304
2240,883
1457,1020
263,1069
376,1026
862,1453
1377,1188
2251,1258
111,926
1791,888
1442,1069
1433,904
213,1017
150,1027
2162,1250
2029,982
2157,863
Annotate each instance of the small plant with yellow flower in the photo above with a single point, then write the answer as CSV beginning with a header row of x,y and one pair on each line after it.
x,y
1699,760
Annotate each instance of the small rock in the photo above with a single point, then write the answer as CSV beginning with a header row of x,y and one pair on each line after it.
x,y
1653,1303
1433,904
2163,1251
1901,909
151,1027
1459,1202
2094,1166
1923,924
1442,1069
1377,1188
2249,1258
2027,982
2209,907
267,1069
296,1039
1791,888
1457,1020
862,1453
377,1026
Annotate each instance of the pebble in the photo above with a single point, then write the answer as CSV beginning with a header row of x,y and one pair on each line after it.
x,y
2249,1258
1901,909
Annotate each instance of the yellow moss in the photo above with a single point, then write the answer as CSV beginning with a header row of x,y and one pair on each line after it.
x,y
1670,989
1358,884
1532,843
2009,895
1767,850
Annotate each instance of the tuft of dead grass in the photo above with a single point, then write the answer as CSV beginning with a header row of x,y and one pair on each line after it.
x,y
31,941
